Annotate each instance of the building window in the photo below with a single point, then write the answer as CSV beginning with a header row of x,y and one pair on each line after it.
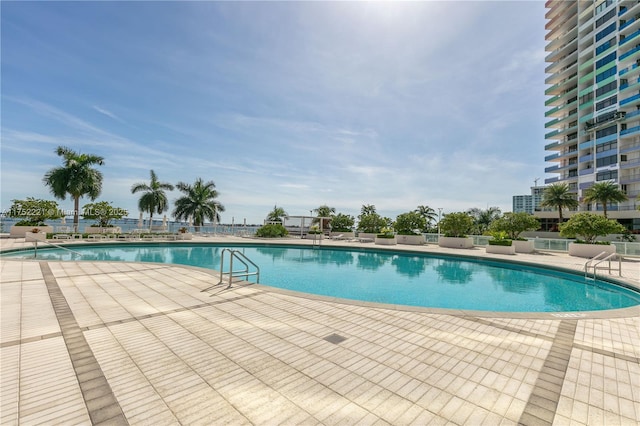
x,y
607,146
604,61
607,87
607,175
602,6
607,131
604,46
605,74
607,161
602,34
607,102
610,14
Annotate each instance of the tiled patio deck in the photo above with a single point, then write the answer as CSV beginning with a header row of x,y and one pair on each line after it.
x,y
125,343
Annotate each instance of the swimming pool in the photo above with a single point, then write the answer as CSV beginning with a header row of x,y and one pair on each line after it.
x,y
400,278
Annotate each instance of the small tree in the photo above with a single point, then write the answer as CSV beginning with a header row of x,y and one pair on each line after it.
x,y
371,223
514,224
342,223
456,224
272,230
589,226
411,223
34,212
103,212
276,214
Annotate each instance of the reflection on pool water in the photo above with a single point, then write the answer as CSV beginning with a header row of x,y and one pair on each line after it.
x,y
387,277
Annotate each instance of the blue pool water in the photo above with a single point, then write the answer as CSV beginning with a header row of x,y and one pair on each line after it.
x,y
384,277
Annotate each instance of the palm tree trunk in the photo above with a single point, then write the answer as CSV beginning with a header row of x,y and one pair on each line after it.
x,y
604,209
150,220
76,210
560,213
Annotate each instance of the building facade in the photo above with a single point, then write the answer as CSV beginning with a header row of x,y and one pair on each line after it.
x,y
528,203
593,78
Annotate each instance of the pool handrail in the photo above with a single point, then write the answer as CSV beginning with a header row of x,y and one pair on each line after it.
x,y
35,247
242,258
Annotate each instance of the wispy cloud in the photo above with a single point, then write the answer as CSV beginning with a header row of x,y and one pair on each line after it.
x,y
107,113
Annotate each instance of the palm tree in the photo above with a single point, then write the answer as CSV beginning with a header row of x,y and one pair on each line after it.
x,y
324,211
558,195
198,203
367,209
428,214
76,177
484,218
276,214
604,193
154,200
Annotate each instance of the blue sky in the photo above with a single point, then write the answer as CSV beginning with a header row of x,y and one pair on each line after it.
x,y
297,104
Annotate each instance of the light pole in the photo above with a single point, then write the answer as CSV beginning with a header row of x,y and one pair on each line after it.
x,y
439,215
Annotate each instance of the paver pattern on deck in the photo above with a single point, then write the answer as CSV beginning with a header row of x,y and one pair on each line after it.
x,y
168,353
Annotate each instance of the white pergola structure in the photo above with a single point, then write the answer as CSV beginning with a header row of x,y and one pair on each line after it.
x,y
302,222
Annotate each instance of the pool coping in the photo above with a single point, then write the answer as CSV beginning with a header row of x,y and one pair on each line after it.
x,y
633,311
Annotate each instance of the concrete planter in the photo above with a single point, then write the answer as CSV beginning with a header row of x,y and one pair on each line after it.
x,y
20,231
315,237
35,236
413,240
524,246
590,250
367,235
456,242
501,249
386,241
184,236
100,230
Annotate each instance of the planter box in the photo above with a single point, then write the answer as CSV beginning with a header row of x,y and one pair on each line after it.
x,y
38,236
414,240
367,235
99,230
184,236
455,242
501,249
589,250
20,231
524,246
386,241
315,237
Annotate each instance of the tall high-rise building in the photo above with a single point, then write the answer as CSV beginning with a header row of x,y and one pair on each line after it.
x,y
593,127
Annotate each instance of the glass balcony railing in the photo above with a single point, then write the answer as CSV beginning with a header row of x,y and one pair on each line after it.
x,y
630,37
631,129
629,53
630,99
626,24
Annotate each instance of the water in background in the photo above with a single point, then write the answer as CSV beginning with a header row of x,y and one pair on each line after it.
x,y
129,224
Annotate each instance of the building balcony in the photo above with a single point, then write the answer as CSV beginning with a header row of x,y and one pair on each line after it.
x,y
552,157
589,171
551,180
630,37
584,158
631,130
625,150
630,164
626,24
628,54
632,178
630,99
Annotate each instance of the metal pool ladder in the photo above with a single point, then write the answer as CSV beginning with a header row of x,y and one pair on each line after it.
x,y
599,259
35,248
246,272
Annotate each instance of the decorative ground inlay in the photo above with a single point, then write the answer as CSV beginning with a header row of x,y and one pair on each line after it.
x,y
335,338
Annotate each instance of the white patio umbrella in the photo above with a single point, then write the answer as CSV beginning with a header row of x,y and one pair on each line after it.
x,y
63,221
164,222
140,221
